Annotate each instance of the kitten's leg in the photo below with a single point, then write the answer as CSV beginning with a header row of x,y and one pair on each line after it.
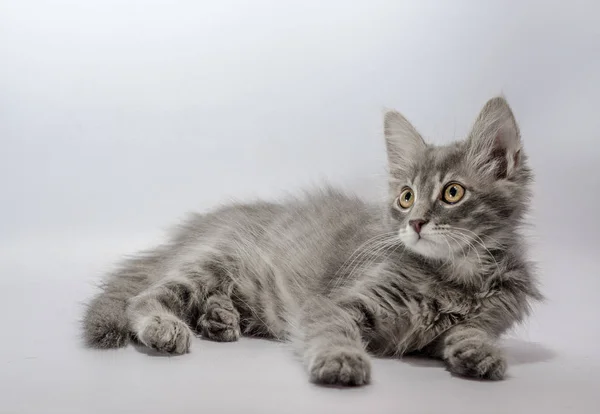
x,y
157,315
220,320
471,352
333,349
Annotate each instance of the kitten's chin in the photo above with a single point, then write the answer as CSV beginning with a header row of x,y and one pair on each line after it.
x,y
425,246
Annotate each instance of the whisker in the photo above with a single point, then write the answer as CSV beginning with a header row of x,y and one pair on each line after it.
x,y
476,235
467,241
445,238
360,250
369,247
367,257
479,241
362,247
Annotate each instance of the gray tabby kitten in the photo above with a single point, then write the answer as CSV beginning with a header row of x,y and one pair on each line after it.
x,y
440,269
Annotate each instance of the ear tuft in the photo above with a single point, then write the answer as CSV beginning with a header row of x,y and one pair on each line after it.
x,y
403,142
494,142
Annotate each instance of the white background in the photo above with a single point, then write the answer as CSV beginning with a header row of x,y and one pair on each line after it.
x,y
117,117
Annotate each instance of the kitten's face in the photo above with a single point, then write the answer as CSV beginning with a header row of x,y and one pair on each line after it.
x,y
451,199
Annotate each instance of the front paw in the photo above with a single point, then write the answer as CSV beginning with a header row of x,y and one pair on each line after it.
x,y
472,358
341,366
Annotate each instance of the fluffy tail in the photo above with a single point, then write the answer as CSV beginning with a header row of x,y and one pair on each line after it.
x,y
105,322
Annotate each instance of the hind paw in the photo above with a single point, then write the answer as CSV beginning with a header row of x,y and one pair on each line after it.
x,y
221,321
166,333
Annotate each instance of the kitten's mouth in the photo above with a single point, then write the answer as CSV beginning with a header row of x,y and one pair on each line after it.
x,y
422,236
422,239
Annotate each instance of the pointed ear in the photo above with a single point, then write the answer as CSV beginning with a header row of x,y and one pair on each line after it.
x,y
403,142
494,143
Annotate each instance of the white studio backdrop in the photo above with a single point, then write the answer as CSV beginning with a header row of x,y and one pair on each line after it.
x,y
117,117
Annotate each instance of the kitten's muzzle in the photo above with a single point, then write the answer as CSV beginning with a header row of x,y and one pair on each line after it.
x,y
418,224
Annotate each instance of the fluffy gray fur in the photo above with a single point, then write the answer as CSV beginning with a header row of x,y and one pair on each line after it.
x,y
342,278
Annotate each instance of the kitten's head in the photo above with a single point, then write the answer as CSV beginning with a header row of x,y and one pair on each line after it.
x,y
469,193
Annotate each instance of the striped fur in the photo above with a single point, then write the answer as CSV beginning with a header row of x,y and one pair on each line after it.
x,y
342,278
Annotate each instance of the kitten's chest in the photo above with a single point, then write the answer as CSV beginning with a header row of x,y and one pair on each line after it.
x,y
425,316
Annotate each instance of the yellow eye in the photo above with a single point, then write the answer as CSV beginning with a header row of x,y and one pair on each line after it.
x,y
453,193
407,198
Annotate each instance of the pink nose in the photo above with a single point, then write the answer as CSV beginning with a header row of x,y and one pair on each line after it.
x,y
418,224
